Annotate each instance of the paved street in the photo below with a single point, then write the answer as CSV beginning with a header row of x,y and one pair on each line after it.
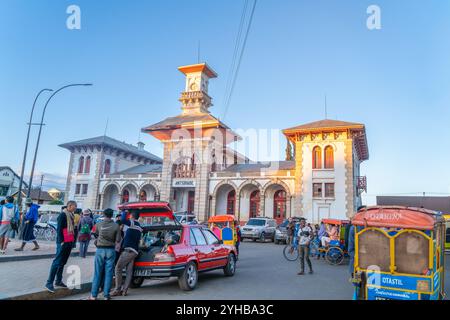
x,y
262,273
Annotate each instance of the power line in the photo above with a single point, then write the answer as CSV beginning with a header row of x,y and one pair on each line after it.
x,y
240,58
235,52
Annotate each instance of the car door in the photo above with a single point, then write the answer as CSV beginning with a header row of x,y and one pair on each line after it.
x,y
271,228
218,253
201,248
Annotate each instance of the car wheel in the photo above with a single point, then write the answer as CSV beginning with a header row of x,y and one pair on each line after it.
x,y
254,239
136,282
262,237
276,241
189,278
230,268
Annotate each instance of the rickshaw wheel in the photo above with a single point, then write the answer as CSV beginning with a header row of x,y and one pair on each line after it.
x,y
334,255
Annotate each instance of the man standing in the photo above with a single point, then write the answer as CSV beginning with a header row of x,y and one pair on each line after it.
x,y
107,233
130,251
65,236
9,218
30,219
304,234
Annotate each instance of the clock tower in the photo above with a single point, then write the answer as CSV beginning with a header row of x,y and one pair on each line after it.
x,y
195,98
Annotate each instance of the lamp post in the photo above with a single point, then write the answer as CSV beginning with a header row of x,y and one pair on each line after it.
x,y
40,128
19,196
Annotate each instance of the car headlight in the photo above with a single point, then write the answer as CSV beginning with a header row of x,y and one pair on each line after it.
x,y
423,285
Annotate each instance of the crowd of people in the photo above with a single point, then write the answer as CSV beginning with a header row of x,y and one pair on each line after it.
x,y
117,244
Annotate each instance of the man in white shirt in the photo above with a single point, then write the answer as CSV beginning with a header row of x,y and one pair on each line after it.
x,y
304,235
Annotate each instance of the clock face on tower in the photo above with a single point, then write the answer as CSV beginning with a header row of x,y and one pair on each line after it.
x,y
193,86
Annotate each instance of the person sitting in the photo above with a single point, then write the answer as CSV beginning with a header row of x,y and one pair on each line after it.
x,y
333,235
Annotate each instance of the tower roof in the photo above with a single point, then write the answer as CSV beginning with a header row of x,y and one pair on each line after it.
x,y
325,124
200,67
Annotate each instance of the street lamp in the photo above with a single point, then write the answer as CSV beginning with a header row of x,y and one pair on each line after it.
x,y
40,129
19,196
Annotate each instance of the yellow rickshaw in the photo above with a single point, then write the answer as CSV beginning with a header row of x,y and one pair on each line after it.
x,y
224,227
399,254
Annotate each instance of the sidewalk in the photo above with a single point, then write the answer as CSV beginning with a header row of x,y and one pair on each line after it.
x,y
26,279
47,251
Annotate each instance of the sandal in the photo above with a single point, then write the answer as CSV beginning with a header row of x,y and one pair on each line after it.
x,y
36,248
116,293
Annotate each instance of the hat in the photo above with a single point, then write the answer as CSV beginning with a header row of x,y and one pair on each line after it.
x,y
28,201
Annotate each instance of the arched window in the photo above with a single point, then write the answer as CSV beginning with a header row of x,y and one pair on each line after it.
x,y
231,201
107,169
317,158
329,157
87,166
80,165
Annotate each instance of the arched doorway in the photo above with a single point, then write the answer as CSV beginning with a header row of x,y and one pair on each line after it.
x,y
231,202
225,196
111,197
279,206
254,204
125,196
143,196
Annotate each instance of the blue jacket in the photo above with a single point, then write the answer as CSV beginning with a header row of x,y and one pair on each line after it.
x,y
32,213
10,205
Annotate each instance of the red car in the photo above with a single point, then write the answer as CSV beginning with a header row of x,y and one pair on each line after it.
x,y
169,249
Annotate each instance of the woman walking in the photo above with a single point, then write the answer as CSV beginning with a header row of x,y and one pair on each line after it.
x,y
85,226
31,217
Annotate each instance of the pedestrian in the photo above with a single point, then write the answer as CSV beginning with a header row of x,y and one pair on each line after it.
x,y
238,239
9,221
30,219
107,234
85,226
290,230
130,250
65,237
76,220
304,234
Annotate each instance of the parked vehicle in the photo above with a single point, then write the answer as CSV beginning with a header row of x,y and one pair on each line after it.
x,y
171,249
186,218
399,254
259,229
281,231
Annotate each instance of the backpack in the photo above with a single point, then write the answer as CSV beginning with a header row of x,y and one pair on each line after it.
x,y
85,229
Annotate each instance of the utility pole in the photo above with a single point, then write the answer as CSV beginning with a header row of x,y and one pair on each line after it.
x,y
40,189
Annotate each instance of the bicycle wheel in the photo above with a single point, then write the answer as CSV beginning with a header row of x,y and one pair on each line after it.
x,y
314,248
290,253
50,234
335,255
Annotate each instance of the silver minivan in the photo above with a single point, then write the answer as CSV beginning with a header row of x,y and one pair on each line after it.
x,y
259,229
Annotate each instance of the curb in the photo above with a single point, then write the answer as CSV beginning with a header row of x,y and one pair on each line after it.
x,y
59,293
38,256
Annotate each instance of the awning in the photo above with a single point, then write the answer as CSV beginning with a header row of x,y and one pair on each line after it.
x,y
397,217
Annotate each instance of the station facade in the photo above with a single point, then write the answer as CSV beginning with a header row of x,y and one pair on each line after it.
x,y
202,173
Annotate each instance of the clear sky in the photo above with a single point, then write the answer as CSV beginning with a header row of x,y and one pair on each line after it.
x,y
394,80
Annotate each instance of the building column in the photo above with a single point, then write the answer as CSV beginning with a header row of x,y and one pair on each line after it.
x,y
213,205
237,207
288,206
262,204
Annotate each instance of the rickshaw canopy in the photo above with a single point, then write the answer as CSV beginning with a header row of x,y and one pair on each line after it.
x,y
222,218
335,221
397,217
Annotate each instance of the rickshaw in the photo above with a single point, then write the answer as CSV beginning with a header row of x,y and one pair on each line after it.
x,y
224,227
447,232
399,254
336,250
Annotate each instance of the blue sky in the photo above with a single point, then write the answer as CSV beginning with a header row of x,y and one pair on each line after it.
x,y
394,80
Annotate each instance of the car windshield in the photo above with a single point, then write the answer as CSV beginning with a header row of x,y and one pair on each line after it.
x,y
256,222
155,221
